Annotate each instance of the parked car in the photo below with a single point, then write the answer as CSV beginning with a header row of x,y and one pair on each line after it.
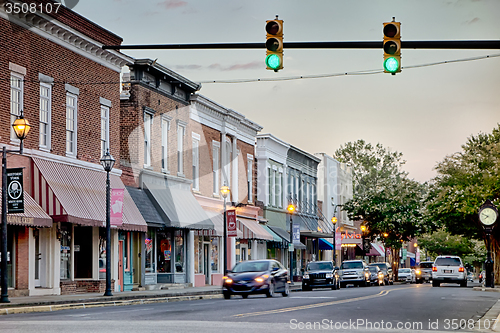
x,y
376,275
321,274
256,277
354,272
406,275
387,270
426,270
448,269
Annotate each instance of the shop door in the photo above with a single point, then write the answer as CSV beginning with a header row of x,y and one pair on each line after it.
x,y
36,235
244,252
120,265
206,264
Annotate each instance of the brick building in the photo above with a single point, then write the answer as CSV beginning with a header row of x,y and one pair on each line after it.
x,y
55,72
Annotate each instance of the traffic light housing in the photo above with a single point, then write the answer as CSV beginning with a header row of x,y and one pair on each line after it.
x,y
392,47
274,44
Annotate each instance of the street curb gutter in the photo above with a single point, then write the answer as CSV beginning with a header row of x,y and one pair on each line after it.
x,y
57,307
489,322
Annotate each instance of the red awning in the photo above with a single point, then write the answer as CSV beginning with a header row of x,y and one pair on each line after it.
x,y
70,193
33,216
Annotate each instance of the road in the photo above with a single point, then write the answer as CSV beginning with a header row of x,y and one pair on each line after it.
x,y
398,308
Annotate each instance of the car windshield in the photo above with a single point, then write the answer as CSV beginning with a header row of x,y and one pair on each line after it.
x,y
251,266
447,262
426,265
381,266
352,265
317,266
373,269
404,270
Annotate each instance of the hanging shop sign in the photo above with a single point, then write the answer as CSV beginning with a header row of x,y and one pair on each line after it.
x,y
15,197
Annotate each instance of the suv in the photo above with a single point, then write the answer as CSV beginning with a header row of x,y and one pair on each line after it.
x,y
448,269
354,272
426,270
321,274
387,270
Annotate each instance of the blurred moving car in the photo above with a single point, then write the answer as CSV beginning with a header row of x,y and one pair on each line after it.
x,y
387,270
406,275
376,275
354,272
321,274
448,269
426,270
418,276
256,277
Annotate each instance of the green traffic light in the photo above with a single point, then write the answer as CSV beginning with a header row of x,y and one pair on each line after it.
x,y
391,65
273,61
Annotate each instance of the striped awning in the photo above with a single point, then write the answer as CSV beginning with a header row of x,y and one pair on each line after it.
x,y
70,193
33,216
217,217
251,229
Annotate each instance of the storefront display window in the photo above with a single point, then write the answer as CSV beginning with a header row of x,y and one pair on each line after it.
x,y
150,249
198,255
179,252
102,253
214,258
65,236
164,251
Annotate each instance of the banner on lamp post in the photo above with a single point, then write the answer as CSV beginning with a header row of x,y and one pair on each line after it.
x,y
116,216
15,196
296,234
231,223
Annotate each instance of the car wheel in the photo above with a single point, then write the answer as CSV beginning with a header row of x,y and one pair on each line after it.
x,y
286,292
435,283
391,282
244,295
306,288
270,291
227,295
463,284
342,285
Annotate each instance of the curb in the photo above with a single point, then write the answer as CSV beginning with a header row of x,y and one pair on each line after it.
x,y
57,307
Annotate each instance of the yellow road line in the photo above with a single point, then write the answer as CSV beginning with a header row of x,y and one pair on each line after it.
x,y
311,306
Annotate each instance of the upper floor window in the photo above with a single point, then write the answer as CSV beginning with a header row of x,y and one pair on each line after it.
x,y
196,161
71,118
104,129
181,131
16,100
227,166
165,127
215,166
45,114
148,123
250,177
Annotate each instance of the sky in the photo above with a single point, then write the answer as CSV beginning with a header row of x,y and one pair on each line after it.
x,y
424,112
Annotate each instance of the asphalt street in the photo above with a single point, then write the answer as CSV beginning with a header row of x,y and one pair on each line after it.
x,y
398,308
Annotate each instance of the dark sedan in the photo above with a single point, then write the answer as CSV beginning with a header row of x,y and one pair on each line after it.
x,y
320,274
256,277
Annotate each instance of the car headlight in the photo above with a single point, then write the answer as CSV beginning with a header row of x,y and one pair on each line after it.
x,y
329,275
418,272
261,279
228,280
305,276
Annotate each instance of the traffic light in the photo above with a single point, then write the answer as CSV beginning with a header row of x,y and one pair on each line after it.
x,y
392,47
274,44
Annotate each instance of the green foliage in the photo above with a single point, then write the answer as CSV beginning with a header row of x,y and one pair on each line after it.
x,y
442,242
383,196
465,180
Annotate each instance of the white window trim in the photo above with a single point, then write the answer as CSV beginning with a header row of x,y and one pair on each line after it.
x,y
147,119
196,138
216,172
48,145
164,141
180,148
20,76
250,177
107,121
75,125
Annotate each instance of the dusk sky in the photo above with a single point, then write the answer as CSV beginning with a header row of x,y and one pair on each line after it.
x,y
425,112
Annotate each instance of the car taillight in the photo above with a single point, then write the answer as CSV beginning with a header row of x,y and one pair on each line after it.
x,y
434,269
460,269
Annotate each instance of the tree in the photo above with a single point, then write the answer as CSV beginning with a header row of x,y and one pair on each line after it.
x,y
383,196
464,181
442,242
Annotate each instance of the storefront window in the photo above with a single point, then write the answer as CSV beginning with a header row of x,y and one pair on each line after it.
x,y
198,255
150,249
65,266
179,252
237,251
102,253
164,251
214,258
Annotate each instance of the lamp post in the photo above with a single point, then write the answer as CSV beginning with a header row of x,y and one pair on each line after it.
x,y
363,229
224,191
107,161
385,234
334,223
21,128
291,209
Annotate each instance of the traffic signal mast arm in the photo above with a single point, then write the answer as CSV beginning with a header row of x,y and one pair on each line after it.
x,y
435,44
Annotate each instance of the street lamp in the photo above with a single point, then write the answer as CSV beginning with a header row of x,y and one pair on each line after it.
x,y
224,191
291,208
107,161
385,234
363,229
334,223
21,128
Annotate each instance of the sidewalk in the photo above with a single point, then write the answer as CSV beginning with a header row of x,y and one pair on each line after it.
x,y
87,300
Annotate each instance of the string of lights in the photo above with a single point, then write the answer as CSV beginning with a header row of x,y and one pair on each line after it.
x,y
291,78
